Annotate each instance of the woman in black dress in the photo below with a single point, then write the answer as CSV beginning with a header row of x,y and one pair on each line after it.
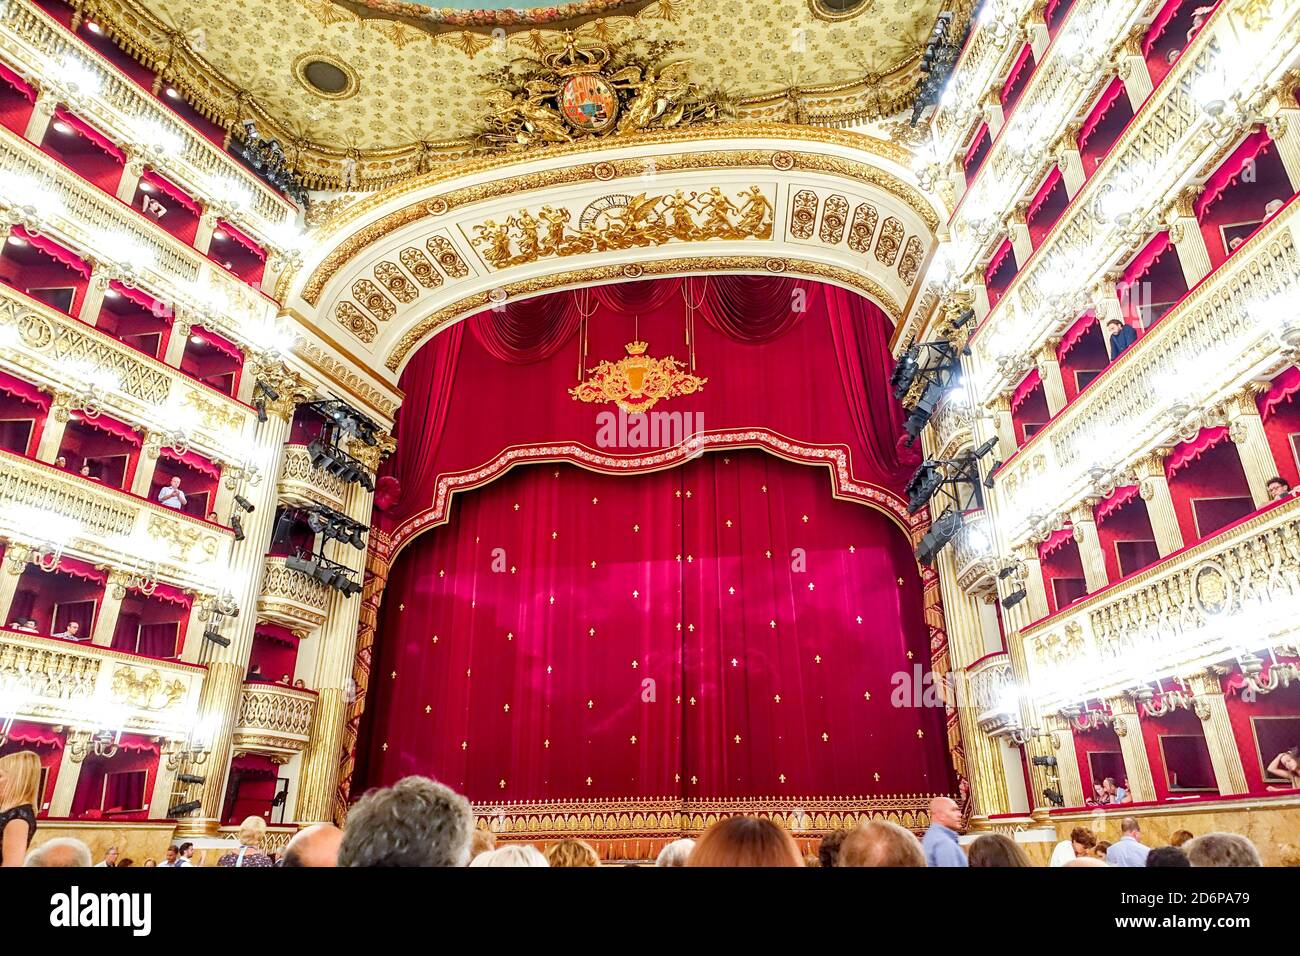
x,y
20,774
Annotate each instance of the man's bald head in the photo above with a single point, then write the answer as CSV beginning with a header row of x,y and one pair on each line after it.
x,y
945,812
314,846
63,852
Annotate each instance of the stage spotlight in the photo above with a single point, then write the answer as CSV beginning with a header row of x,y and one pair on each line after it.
x,y
923,484
1054,797
355,540
941,532
191,778
1006,572
260,406
962,319
183,808
919,416
985,448
237,526
349,588
904,373
268,391
302,565
317,521
1014,598
244,503
216,637
1043,761
989,478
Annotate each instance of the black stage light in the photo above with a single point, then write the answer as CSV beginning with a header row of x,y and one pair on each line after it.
x,y
216,637
1054,797
268,391
985,448
191,778
317,521
244,503
993,468
904,373
304,565
1043,761
941,532
962,319
923,484
1006,572
183,808
261,411
237,526
355,540
1014,598
349,588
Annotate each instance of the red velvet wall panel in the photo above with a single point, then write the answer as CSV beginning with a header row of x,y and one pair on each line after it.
x,y
1178,755
1099,756
1263,725
1210,492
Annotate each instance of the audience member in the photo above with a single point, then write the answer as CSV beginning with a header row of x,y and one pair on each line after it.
x,y
1101,849
150,861
125,862
1115,793
415,822
746,841
61,463
879,843
940,841
829,850
212,517
300,684
27,626
84,472
61,852
676,853
171,496
1081,842
20,775
1222,849
1087,861
1121,336
110,858
1129,851
1287,766
250,836
481,842
255,674
1167,856
1271,208
997,850
314,846
174,858
1180,837
515,854
72,632
1278,488
569,854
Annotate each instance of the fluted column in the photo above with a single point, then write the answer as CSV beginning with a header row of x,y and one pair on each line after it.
x,y
1067,760
65,787
1154,489
223,686
203,235
1185,233
1284,128
1035,27
1018,232
109,608
984,766
1049,372
993,114
1070,161
146,464
130,181
1004,424
1137,767
93,301
1090,553
42,113
1039,780
176,342
1133,69
1246,429
1105,301
56,423
164,781
195,625
335,655
1035,587
1225,758
15,563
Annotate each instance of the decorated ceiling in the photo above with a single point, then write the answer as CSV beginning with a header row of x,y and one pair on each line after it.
x,y
404,74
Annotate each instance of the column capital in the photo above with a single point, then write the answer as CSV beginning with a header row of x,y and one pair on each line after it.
x,y
372,455
289,387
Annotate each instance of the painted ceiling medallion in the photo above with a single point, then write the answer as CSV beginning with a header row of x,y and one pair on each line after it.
x,y
588,87
637,382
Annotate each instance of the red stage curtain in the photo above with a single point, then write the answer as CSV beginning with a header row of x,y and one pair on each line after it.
x,y
656,635
750,309
55,251
646,296
528,330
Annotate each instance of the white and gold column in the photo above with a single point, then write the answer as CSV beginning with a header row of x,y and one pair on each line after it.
x,y
1246,429
1185,233
1210,706
1090,554
1154,490
1049,372
109,608
1137,767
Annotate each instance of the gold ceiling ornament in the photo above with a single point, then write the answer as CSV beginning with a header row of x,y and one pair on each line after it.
x,y
637,382
624,222
587,87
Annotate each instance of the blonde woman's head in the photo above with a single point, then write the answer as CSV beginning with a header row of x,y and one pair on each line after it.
x,y
569,853
251,831
20,776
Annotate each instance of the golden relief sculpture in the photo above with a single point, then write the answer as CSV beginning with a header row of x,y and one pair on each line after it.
x,y
637,382
590,88
625,222
148,692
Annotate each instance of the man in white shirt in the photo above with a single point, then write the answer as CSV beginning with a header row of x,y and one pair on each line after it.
x,y
171,496
110,858
71,633
174,858
1081,842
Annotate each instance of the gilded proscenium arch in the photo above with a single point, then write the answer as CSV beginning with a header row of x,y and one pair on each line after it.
x,y
859,222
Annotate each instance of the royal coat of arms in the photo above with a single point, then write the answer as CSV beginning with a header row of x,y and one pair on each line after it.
x,y
586,88
637,382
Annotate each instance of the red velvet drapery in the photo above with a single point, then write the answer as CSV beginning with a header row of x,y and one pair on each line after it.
x,y
715,632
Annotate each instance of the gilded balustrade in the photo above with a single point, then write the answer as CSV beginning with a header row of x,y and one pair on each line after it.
x,y
950,425
992,693
1172,135
274,719
303,485
99,227
39,502
57,352
36,43
1173,381
1236,594
86,687
292,598
973,552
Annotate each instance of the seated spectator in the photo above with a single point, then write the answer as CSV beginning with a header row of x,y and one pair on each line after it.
x,y
314,846
1278,488
415,822
1100,850
880,843
171,496
255,674
1272,208
829,850
513,855
61,463
212,517
997,850
150,861
250,836
1286,765
675,853
72,632
747,842
569,854
1129,851
300,684
1180,837
174,858
1222,849
1114,793
62,852
1081,842
84,472
27,626
1120,336
1167,856
481,842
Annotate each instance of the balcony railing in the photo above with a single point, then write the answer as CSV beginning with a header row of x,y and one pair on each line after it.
x,y
106,525
59,351
303,485
291,598
99,227
35,41
992,693
973,553
87,687
1221,334
274,719
1234,595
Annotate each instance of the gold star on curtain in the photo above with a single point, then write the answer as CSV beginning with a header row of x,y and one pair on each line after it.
x,y
852,549
767,554
507,708
817,659
728,522
866,695
804,519
510,635
595,501
402,606
554,535
636,528
428,708
589,781
859,618
811,586
516,506
876,777
593,565
384,745
734,662
636,594
591,632
393,675
467,671
731,590
442,573
435,638
692,701
909,655
502,783
547,743
694,779
591,704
